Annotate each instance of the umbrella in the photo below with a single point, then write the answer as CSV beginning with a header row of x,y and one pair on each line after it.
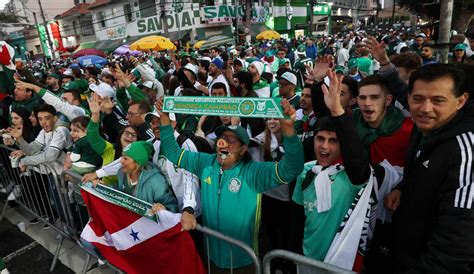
x,y
124,49
268,35
217,41
91,60
153,42
198,44
84,52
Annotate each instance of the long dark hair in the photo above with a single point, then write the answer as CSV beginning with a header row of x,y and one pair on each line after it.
x,y
28,129
118,144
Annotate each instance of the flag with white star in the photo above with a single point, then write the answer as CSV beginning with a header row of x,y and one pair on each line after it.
x,y
137,244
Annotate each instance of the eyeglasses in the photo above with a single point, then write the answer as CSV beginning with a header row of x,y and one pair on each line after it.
x,y
132,113
230,138
129,134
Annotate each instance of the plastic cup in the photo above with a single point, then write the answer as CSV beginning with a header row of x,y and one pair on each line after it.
x,y
15,162
21,226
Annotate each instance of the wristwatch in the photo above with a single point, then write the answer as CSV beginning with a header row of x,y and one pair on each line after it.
x,y
189,210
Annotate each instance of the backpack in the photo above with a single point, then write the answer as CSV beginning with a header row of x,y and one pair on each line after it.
x,y
202,145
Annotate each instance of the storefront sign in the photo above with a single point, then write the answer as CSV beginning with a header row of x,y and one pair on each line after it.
x,y
155,24
224,106
222,14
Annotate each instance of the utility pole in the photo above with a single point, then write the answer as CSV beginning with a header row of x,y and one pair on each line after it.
x,y
311,18
164,21
50,43
445,19
248,18
37,29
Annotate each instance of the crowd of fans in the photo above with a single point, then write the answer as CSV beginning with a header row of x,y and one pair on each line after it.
x,y
360,109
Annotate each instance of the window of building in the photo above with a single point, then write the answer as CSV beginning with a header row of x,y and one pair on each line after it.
x,y
101,19
147,8
127,11
38,48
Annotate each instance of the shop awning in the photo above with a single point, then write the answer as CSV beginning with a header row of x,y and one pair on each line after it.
x,y
86,45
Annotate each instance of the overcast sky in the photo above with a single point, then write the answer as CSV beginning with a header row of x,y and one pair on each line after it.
x,y
2,3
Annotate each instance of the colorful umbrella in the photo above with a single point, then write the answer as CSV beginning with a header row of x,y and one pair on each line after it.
x,y
198,44
153,42
124,49
91,60
84,52
216,41
268,35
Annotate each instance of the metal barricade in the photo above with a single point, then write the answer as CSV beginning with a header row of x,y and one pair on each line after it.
x,y
212,233
38,191
311,265
78,215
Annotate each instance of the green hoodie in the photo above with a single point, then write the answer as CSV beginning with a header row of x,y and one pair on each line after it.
x,y
231,200
152,187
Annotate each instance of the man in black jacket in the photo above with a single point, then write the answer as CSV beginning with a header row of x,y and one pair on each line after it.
x,y
434,221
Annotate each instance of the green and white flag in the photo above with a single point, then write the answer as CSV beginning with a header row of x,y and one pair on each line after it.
x,y
255,107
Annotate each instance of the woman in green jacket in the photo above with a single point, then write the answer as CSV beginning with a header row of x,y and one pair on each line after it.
x,y
231,183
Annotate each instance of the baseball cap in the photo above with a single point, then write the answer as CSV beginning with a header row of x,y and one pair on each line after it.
x,y
460,46
352,63
290,77
103,90
156,114
218,62
147,84
192,68
239,131
54,75
339,69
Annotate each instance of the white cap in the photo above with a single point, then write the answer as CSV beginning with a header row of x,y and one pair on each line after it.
x,y
206,59
171,115
290,77
192,68
103,90
148,84
68,72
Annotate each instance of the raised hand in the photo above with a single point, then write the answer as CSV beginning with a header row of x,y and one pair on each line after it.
x,y
287,124
89,177
24,85
377,50
94,105
321,67
107,105
164,117
332,95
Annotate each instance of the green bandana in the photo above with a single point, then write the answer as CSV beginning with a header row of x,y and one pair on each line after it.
x,y
392,122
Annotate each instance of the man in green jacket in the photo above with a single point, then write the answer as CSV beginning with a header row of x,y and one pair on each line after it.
x,y
231,183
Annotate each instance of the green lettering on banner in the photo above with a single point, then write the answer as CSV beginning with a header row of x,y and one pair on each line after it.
x,y
210,12
228,106
121,199
186,20
158,23
141,25
151,25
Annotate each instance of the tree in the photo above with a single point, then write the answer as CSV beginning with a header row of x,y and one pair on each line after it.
x,y
463,12
8,18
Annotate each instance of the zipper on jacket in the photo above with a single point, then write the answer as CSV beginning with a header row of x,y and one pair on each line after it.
x,y
221,171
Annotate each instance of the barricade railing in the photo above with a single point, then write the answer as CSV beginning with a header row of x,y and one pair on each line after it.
x,y
47,196
303,264
216,234
79,215
39,191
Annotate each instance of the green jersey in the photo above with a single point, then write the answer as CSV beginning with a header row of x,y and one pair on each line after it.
x,y
300,69
231,198
321,228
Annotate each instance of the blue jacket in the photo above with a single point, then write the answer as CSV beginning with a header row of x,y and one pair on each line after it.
x,y
312,52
